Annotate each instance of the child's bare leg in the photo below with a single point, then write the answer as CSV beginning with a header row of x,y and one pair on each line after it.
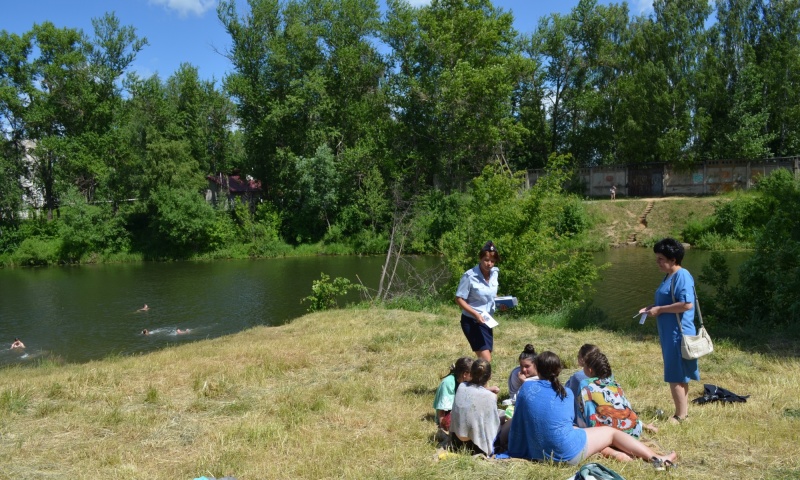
x,y
611,452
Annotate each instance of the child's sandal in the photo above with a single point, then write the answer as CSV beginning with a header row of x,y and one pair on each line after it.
x,y
660,465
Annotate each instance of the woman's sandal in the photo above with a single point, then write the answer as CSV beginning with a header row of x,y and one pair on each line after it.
x,y
676,420
660,465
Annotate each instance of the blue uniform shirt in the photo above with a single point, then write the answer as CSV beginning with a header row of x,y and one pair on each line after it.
x,y
478,293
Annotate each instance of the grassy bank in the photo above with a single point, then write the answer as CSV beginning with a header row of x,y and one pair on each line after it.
x,y
613,222
347,394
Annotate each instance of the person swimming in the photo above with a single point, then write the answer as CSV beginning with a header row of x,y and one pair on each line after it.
x,y
145,331
145,308
178,331
17,344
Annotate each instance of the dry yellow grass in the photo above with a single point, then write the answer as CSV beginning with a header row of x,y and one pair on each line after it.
x,y
347,394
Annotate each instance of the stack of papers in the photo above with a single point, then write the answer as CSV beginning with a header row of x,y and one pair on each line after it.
x,y
489,321
508,301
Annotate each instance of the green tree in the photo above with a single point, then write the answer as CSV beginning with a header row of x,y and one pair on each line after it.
x,y
16,86
455,71
778,53
306,74
318,182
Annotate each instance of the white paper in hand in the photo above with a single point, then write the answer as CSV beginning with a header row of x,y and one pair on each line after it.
x,y
489,321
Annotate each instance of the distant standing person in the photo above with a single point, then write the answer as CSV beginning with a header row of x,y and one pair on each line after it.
x,y
475,295
613,192
17,344
674,311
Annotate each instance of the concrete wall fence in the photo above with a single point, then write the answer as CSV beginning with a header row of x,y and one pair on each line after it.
x,y
659,179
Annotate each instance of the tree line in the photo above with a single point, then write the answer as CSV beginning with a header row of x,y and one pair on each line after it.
x,y
346,114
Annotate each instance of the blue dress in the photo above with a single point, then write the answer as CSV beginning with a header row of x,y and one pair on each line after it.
x,y
676,368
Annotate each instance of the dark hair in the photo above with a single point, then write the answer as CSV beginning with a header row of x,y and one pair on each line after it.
x,y
671,249
549,366
586,349
528,353
481,372
490,249
462,365
598,362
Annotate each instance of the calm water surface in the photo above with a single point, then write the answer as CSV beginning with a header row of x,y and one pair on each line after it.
x,y
88,312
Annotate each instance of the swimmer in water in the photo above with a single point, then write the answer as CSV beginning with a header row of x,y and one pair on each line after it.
x,y
145,332
17,344
145,308
181,332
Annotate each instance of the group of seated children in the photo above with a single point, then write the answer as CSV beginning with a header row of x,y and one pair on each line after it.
x,y
550,422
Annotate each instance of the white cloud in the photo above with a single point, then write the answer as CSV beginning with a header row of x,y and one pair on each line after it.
x,y
639,7
185,7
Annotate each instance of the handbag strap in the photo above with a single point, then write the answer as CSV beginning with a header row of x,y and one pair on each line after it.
x,y
678,316
696,302
697,306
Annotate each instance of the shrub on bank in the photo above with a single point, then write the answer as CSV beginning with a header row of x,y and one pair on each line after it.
x,y
532,229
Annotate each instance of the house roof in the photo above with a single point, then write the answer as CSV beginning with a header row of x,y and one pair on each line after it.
x,y
235,183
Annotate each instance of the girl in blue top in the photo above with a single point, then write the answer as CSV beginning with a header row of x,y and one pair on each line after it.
x,y
543,428
475,295
674,310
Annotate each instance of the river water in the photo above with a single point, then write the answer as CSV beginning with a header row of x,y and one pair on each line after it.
x,y
82,313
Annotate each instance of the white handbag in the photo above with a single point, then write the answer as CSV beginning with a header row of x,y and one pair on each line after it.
x,y
693,346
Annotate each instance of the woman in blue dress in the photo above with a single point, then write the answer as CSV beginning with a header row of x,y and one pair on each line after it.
x,y
475,295
674,310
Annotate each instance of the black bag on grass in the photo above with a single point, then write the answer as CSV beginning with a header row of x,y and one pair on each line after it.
x,y
713,393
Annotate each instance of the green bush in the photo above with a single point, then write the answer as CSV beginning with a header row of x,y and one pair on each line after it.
x,y
737,222
88,230
435,213
37,251
324,292
367,242
538,266
183,222
766,293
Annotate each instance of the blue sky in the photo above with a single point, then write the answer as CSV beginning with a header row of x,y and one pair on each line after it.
x,y
181,31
